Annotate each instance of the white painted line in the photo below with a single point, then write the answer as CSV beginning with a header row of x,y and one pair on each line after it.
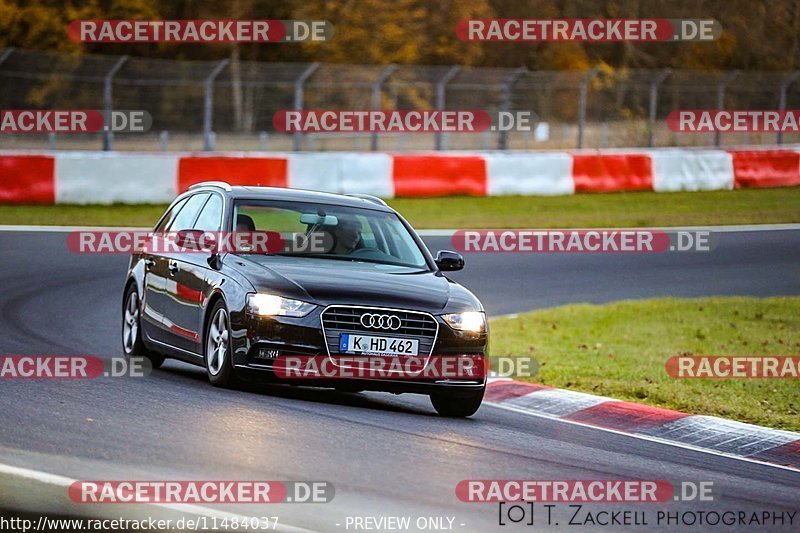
x,y
641,437
450,232
56,229
741,228
436,232
198,510
510,316
36,475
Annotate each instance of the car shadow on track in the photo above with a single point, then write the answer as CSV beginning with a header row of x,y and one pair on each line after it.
x,y
331,396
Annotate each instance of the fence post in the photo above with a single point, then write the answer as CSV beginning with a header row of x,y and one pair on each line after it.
x,y
584,88
440,88
6,54
298,100
721,100
790,79
208,106
376,99
505,103
108,135
663,75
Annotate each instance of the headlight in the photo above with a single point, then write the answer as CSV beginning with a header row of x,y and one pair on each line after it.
x,y
471,321
271,305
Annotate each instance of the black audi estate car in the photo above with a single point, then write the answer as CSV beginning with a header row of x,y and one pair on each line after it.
x,y
373,290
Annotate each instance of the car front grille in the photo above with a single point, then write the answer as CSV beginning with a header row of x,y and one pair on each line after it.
x,y
413,325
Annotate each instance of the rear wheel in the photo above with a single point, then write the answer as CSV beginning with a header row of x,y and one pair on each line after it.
x,y
457,405
132,344
218,348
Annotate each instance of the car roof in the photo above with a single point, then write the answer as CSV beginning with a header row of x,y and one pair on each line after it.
x,y
299,195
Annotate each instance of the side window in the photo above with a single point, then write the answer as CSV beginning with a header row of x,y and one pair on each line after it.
x,y
167,220
187,214
210,218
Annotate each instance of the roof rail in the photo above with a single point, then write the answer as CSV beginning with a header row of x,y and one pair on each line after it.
x,y
369,198
220,184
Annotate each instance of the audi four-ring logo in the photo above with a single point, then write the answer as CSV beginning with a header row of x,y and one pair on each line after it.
x,y
371,320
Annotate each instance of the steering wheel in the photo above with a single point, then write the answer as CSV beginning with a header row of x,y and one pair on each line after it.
x,y
366,249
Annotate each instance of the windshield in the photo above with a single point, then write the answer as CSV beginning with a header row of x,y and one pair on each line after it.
x,y
341,233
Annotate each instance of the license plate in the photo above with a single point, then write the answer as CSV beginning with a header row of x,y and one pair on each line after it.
x,y
368,345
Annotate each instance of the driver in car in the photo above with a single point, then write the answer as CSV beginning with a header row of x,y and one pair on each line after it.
x,y
346,235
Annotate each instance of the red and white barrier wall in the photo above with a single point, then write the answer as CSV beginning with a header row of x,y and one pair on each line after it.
x,y
109,177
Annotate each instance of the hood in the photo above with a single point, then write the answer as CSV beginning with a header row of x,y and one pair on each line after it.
x,y
326,282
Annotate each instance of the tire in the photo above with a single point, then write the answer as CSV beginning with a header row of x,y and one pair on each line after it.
x,y
217,352
132,344
457,405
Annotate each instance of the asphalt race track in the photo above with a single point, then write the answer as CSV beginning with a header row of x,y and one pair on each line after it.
x,y
747,263
385,455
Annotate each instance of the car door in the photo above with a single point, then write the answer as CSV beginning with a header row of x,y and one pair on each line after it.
x,y
189,280
155,277
166,264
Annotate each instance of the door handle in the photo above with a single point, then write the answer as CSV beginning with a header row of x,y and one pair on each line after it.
x,y
149,263
173,267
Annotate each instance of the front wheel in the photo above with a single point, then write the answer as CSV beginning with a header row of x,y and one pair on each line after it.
x,y
218,348
132,344
457,405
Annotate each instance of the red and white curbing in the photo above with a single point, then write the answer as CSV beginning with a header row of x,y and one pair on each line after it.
x,y
708,433
128,177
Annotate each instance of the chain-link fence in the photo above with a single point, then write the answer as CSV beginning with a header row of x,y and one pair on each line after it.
x,y
229,105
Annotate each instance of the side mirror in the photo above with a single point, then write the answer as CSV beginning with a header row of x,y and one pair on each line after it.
x,y
195,239
448,261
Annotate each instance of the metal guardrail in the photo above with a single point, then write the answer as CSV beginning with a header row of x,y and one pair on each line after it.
x,y
583,109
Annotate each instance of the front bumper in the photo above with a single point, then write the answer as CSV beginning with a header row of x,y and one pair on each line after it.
x,y
268,338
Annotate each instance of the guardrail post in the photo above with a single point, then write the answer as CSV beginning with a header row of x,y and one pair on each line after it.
x,y
108,135
6,54
505,103
787,82
298,100
208,106
663,75
721,100
584,88
376,99
441,85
